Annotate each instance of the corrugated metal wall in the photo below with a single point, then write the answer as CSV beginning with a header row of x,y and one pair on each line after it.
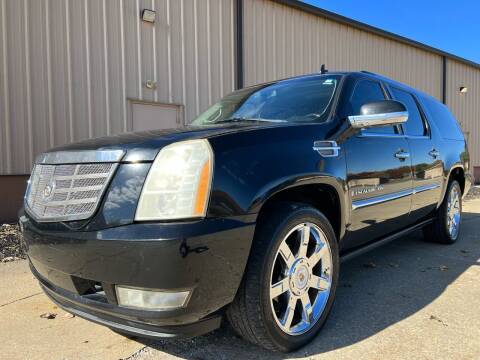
x,y
67,67
281,41
466,107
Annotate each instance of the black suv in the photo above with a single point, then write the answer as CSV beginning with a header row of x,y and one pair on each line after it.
x,y
247,212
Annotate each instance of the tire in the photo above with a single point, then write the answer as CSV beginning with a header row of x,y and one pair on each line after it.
x,y
441,230
254,314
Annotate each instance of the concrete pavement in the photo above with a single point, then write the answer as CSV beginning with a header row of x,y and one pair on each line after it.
x,y
25,335
408,299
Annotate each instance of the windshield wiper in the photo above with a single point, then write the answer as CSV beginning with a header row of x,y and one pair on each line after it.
x,y
236,119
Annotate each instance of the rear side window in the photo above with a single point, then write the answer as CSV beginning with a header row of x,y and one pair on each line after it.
x,y
443,118
367,91
415,125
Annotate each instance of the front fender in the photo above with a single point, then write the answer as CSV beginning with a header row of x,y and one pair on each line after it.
x,y
250,167
275,187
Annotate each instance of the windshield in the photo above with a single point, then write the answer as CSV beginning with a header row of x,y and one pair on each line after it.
x,y
306,99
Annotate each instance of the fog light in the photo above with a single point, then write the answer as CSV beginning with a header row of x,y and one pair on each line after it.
x,y
151,299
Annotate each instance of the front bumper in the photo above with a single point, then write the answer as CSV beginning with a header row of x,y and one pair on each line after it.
x,y
207,257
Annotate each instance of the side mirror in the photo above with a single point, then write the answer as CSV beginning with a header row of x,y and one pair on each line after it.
x,y
379,113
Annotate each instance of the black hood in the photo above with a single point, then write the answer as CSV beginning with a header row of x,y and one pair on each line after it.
x,y
144,146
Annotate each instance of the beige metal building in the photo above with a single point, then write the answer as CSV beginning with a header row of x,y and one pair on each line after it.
x,y
74,69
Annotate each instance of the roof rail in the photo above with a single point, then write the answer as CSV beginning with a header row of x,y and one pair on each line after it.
x,y
369,72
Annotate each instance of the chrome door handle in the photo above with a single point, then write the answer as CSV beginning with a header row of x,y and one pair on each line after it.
x,y
402,155
434,153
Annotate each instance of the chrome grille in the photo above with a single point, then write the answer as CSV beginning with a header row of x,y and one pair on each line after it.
x,y
67,192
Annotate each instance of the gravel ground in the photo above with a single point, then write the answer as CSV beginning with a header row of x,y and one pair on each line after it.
x,y
474,193
11,246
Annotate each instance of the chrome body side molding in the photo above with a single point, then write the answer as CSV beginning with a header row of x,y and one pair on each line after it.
x,y
423,188
380,199
392,196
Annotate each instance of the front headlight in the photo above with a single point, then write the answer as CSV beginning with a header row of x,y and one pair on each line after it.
x,y
178,184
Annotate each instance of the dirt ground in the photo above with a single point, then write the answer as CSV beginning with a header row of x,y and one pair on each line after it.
x,y
11,247
408,299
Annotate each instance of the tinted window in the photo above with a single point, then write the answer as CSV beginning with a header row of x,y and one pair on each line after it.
x,y
306,99
368,91
415,125
443,118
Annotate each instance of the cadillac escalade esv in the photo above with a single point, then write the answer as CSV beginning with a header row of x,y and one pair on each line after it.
x,y
247,212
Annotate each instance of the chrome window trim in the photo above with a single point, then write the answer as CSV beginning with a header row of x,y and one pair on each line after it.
x,y
365,133
358,204
421,137
80,157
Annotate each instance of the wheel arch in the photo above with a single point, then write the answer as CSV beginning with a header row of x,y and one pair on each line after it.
x,y
325,193
456,172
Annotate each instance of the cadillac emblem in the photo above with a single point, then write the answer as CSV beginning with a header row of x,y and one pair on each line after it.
x,y
48,191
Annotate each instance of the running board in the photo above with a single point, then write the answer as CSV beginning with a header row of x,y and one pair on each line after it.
x,y
354,253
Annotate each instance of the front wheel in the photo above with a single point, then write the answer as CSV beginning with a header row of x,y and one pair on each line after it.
x,y
290,281
446,226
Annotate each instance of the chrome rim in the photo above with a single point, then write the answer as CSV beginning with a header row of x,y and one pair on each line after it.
x,y
453,213
301,279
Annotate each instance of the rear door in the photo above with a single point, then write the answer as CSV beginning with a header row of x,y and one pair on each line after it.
x,y
379,175
427,164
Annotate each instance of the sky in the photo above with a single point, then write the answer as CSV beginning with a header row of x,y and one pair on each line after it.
x,y
452,26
